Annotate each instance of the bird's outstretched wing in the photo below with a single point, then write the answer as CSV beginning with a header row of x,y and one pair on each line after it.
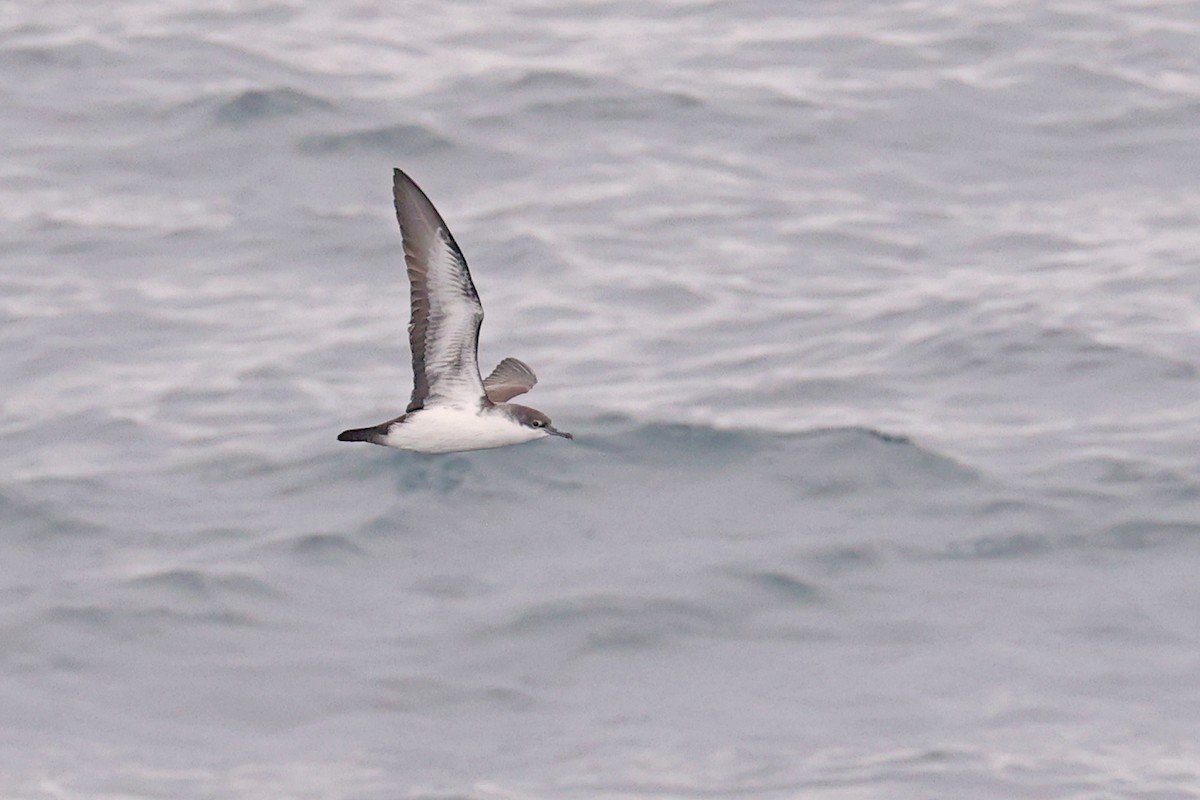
x,y
509,379
446,313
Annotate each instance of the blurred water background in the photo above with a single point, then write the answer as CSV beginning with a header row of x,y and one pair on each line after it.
x,y
877,324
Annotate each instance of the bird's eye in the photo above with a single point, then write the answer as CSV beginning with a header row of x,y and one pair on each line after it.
x,y
537,423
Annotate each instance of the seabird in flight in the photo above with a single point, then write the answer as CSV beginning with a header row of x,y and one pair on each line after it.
x,y
452,408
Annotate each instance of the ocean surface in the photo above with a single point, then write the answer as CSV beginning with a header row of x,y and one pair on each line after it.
x,y
877,325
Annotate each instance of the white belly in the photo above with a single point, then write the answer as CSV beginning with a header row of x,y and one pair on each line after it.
x,y
448,430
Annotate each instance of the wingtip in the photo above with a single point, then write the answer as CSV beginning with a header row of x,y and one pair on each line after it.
x,y
403,186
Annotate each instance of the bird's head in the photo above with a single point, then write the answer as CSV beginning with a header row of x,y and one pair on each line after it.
x,y
532,418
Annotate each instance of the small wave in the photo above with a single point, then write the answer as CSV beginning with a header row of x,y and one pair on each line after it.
x,y
1001,546
123,622
847,557
612,108
195,583
52,208
1143,534
786,586
422,694
562,96
1070,361
74,56
255,105
437,474
324,546
553,80
452,587
820,460
662,439
851,459
43,522
606,621
403,139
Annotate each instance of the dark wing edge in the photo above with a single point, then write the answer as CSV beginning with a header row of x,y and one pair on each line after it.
x,y
510,378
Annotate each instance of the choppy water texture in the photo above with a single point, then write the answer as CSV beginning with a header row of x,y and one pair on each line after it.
x,y
877,325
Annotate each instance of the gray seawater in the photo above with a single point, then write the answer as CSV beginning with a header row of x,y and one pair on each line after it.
x,y
878,326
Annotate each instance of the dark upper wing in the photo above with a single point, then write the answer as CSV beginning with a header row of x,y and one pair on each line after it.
x,y
509,379
446,314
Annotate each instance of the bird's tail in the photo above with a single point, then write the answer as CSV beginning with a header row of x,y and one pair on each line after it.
x,y
372,434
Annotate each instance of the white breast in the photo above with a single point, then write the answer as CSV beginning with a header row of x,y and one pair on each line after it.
x,y
448,430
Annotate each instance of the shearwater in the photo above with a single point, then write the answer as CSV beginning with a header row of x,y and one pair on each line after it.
x,y
451,409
